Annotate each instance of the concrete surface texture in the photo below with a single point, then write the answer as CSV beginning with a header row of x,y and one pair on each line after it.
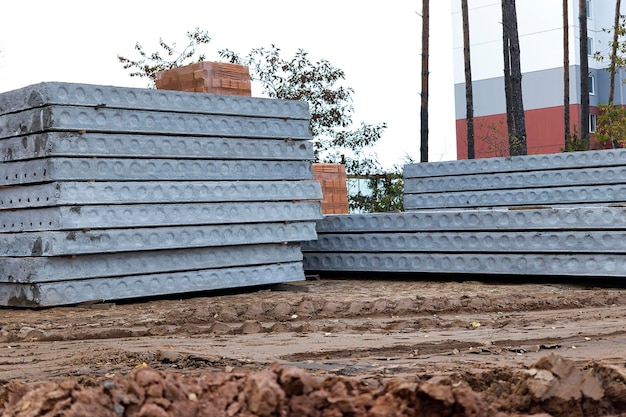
x,y
95,178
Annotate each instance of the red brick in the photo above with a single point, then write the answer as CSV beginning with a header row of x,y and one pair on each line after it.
x,y
207,77
333,180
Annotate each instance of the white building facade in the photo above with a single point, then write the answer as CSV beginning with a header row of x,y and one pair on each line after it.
x,y
540,28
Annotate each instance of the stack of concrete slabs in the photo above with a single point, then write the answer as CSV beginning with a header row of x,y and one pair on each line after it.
x,y
581,241
564,179
112,193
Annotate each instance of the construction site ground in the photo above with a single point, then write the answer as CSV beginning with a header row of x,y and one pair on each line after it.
x,y
327,347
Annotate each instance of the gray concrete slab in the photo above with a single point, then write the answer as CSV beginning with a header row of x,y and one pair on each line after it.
x,y
144,215
72,144
124,287
52,243
518,180
596,265
575,219
562,196
564,241
48,93
101,265
580,241
103,119
148,169
566,160
129,192
112,193
564,179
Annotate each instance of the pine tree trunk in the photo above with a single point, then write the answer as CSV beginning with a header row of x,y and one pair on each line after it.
x,y
517,141
613,63
469,96
510,123
566,115
584,74
424,109
614,45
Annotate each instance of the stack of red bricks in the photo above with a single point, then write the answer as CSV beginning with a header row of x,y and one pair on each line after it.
x,y
207,77
333,179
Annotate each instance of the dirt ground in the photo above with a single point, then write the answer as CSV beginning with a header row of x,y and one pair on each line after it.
x,y
326,347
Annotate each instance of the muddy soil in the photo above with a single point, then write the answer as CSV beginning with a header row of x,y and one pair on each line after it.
x,y
329,347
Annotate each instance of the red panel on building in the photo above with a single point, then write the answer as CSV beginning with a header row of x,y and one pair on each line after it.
x,y
544,132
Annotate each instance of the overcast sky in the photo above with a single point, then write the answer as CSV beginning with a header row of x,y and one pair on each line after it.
x,y
377,44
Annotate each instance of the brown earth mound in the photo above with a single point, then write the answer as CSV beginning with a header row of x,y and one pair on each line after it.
x,y
553,386
325,348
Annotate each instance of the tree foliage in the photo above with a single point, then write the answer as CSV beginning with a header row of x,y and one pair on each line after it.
x,y
320,84
614,46
611,125
573,142
618,59
148,65
492,138
386,193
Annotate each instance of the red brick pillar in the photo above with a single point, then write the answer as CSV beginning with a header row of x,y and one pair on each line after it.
x,y
333,179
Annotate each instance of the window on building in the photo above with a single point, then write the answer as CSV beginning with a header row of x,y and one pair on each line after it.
x,y
592,85
588,9
590,46
592,123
